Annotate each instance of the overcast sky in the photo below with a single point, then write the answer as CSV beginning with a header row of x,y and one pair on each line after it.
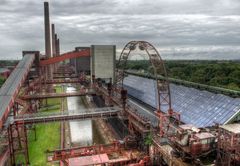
x,y
180,29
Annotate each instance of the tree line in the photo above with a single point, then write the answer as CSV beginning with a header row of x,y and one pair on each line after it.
x,y
225,74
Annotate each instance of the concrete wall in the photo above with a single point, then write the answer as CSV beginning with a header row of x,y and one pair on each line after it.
x,y
103,61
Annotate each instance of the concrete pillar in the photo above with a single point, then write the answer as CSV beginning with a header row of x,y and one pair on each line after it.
x,y
53,41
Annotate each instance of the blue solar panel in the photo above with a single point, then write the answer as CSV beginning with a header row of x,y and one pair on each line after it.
x,y
200,108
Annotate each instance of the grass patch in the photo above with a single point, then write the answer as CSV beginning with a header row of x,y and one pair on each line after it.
x,y
48,137
59,89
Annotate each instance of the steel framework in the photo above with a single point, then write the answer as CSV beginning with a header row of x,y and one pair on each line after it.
x,y
56,95
163,90
68,55
228,147
64,154
95,113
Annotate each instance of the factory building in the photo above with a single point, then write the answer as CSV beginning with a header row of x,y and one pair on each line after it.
x,y
103,61
82,64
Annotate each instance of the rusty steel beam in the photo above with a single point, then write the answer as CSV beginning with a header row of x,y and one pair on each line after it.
x,y
60,81
96,113
64,154
68,55
55,95
65,76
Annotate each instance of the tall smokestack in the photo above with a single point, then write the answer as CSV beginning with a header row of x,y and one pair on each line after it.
x,y
58,47
56,37
48,49
53,41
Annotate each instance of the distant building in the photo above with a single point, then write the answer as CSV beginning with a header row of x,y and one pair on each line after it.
x,y
4,72
81,64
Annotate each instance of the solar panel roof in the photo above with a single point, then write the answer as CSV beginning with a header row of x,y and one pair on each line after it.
x,y
197,107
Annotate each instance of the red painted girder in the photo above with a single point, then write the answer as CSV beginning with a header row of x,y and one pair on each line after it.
x,y
63,154
65,56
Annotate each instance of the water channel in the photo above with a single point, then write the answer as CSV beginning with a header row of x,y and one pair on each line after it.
x,y
83,132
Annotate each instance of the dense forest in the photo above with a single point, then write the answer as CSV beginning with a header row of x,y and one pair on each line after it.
x,y
224,74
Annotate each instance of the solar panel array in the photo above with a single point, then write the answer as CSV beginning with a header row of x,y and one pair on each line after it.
x,y
144,112
200,108
11,86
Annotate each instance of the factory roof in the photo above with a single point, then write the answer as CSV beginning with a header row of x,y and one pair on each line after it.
x,y
234,128
197,107
204,135
11,86
89,160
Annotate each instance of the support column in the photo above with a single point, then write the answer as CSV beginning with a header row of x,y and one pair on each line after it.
x,y
25,137
11,146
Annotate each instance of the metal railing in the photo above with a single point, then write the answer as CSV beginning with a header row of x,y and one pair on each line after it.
x,y
106,112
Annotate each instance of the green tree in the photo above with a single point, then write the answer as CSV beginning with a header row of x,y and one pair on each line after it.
x,y
148,139
2,80
224,74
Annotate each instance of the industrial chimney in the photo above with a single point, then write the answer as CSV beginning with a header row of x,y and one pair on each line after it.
x,y
48,48
53,41
48,44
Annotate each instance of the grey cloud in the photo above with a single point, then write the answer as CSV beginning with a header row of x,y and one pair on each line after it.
x,y
165,23
221,7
